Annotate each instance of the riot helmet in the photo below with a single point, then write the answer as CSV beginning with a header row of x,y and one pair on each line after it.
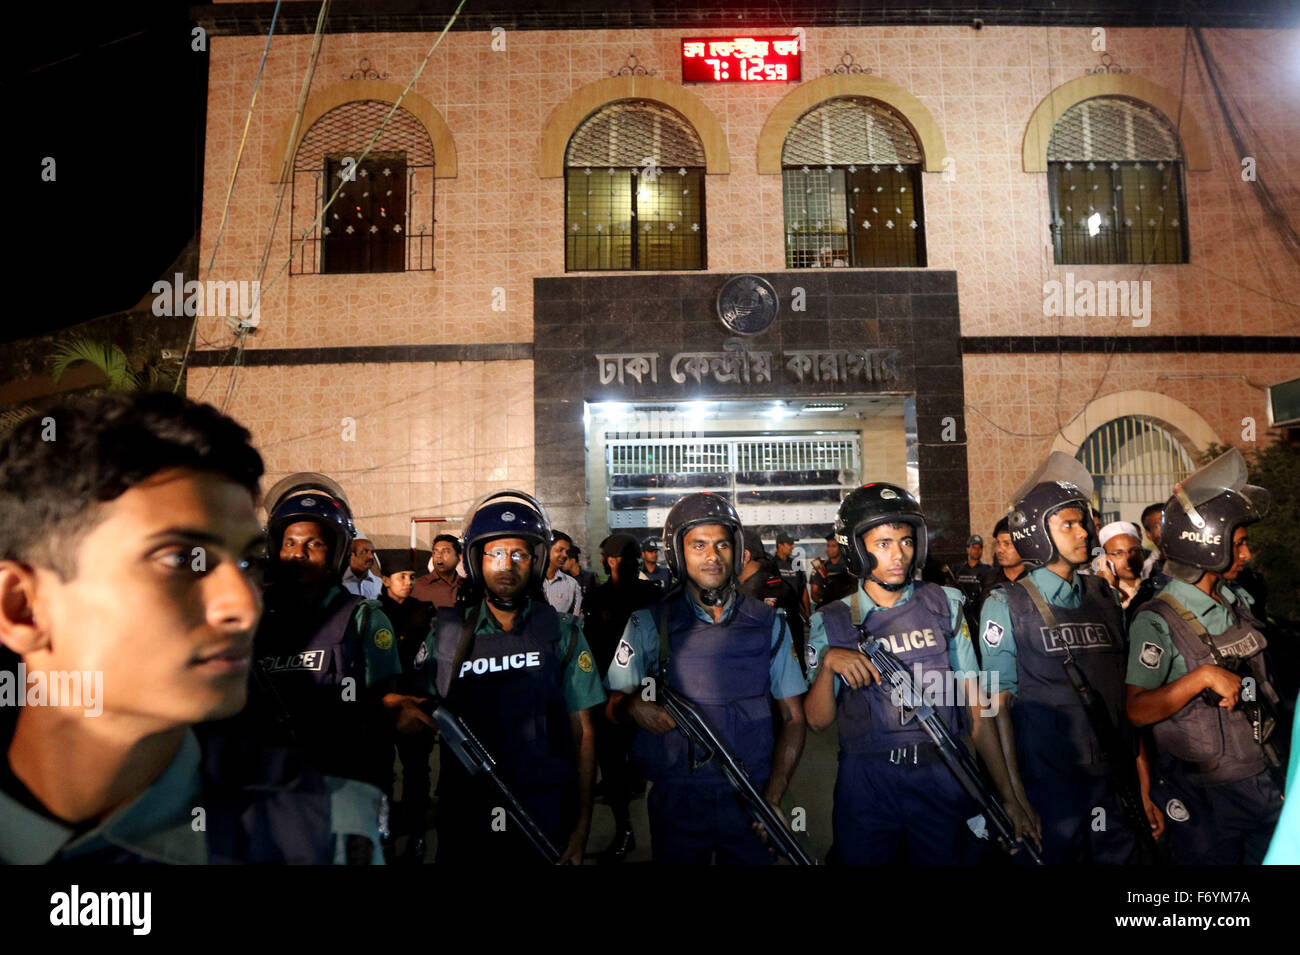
x,y
870,506
507,513
1061,482
1200,519
696,510
310,496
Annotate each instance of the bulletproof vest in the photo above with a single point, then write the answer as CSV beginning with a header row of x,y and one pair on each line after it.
x,y
1051,724
1219,742
725,670
298,691
508,687
919,633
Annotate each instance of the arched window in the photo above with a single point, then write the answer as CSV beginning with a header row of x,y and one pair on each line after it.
x,y
1133,462
1114,171
382,220
634,190
852,183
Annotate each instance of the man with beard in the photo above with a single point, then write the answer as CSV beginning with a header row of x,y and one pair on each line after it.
x,y
606,614
521,676
326,661
1120,565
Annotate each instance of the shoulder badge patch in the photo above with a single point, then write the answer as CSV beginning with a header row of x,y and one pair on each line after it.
x,y
624,654
422,654
993,634
810,656
1150,658
1176,811
584,662
384,638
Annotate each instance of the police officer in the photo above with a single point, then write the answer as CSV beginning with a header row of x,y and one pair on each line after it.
x,y
972,576
797,579
831,578
411,620
521,676
131,549
1190,648
326,661
1045,634
892,790
605,617
651,569
731,656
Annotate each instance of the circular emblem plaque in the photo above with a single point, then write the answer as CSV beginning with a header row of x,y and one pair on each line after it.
x,y
748,304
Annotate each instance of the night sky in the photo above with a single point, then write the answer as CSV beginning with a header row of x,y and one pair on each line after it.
x,y
116,95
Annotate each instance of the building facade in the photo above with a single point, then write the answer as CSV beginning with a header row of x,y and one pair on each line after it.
x,y
941,253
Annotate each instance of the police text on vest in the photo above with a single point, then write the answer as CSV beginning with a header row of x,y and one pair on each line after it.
x,y
511,661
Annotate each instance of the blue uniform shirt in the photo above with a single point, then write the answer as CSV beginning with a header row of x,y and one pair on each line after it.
x,y
637,656
1153,659
961,652
998,642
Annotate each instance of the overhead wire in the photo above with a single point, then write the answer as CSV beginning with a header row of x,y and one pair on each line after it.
x,y
311,227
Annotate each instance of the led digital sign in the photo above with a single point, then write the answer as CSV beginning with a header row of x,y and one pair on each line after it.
x,y
740,59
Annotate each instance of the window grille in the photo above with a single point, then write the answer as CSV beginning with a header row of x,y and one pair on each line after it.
x,y
852,188
634,191
387,200
1133,462
1115,180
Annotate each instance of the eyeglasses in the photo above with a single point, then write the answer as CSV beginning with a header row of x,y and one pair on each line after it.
x,y
514,556
1131,552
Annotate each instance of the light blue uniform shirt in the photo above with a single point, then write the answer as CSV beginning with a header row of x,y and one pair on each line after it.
x,y
637,656
1153,659
158,824
997,639
961,652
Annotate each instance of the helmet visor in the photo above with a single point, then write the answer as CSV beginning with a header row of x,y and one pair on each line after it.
x,y
1225,473
301,482
1059,468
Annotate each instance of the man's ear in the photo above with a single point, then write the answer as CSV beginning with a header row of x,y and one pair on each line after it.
x,y
19,630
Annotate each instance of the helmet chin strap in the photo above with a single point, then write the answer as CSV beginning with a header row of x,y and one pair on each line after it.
x,y
511,605
715,597
892,588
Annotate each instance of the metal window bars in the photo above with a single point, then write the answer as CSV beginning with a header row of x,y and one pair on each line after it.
x,y
345,131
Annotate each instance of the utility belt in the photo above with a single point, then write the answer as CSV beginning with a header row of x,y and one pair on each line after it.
x,y
912,756
1203,774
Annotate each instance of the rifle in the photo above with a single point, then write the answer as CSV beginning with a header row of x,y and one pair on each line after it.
x,y
705,741
476,759
952,753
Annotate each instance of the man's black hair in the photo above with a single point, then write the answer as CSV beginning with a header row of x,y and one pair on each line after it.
x,y
451,539
560,536
60,464
1001,527
1149,510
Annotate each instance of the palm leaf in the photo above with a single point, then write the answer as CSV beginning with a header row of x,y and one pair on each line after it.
x,y
108,358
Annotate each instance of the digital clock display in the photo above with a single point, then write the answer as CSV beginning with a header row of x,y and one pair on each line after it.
x,y
740,59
